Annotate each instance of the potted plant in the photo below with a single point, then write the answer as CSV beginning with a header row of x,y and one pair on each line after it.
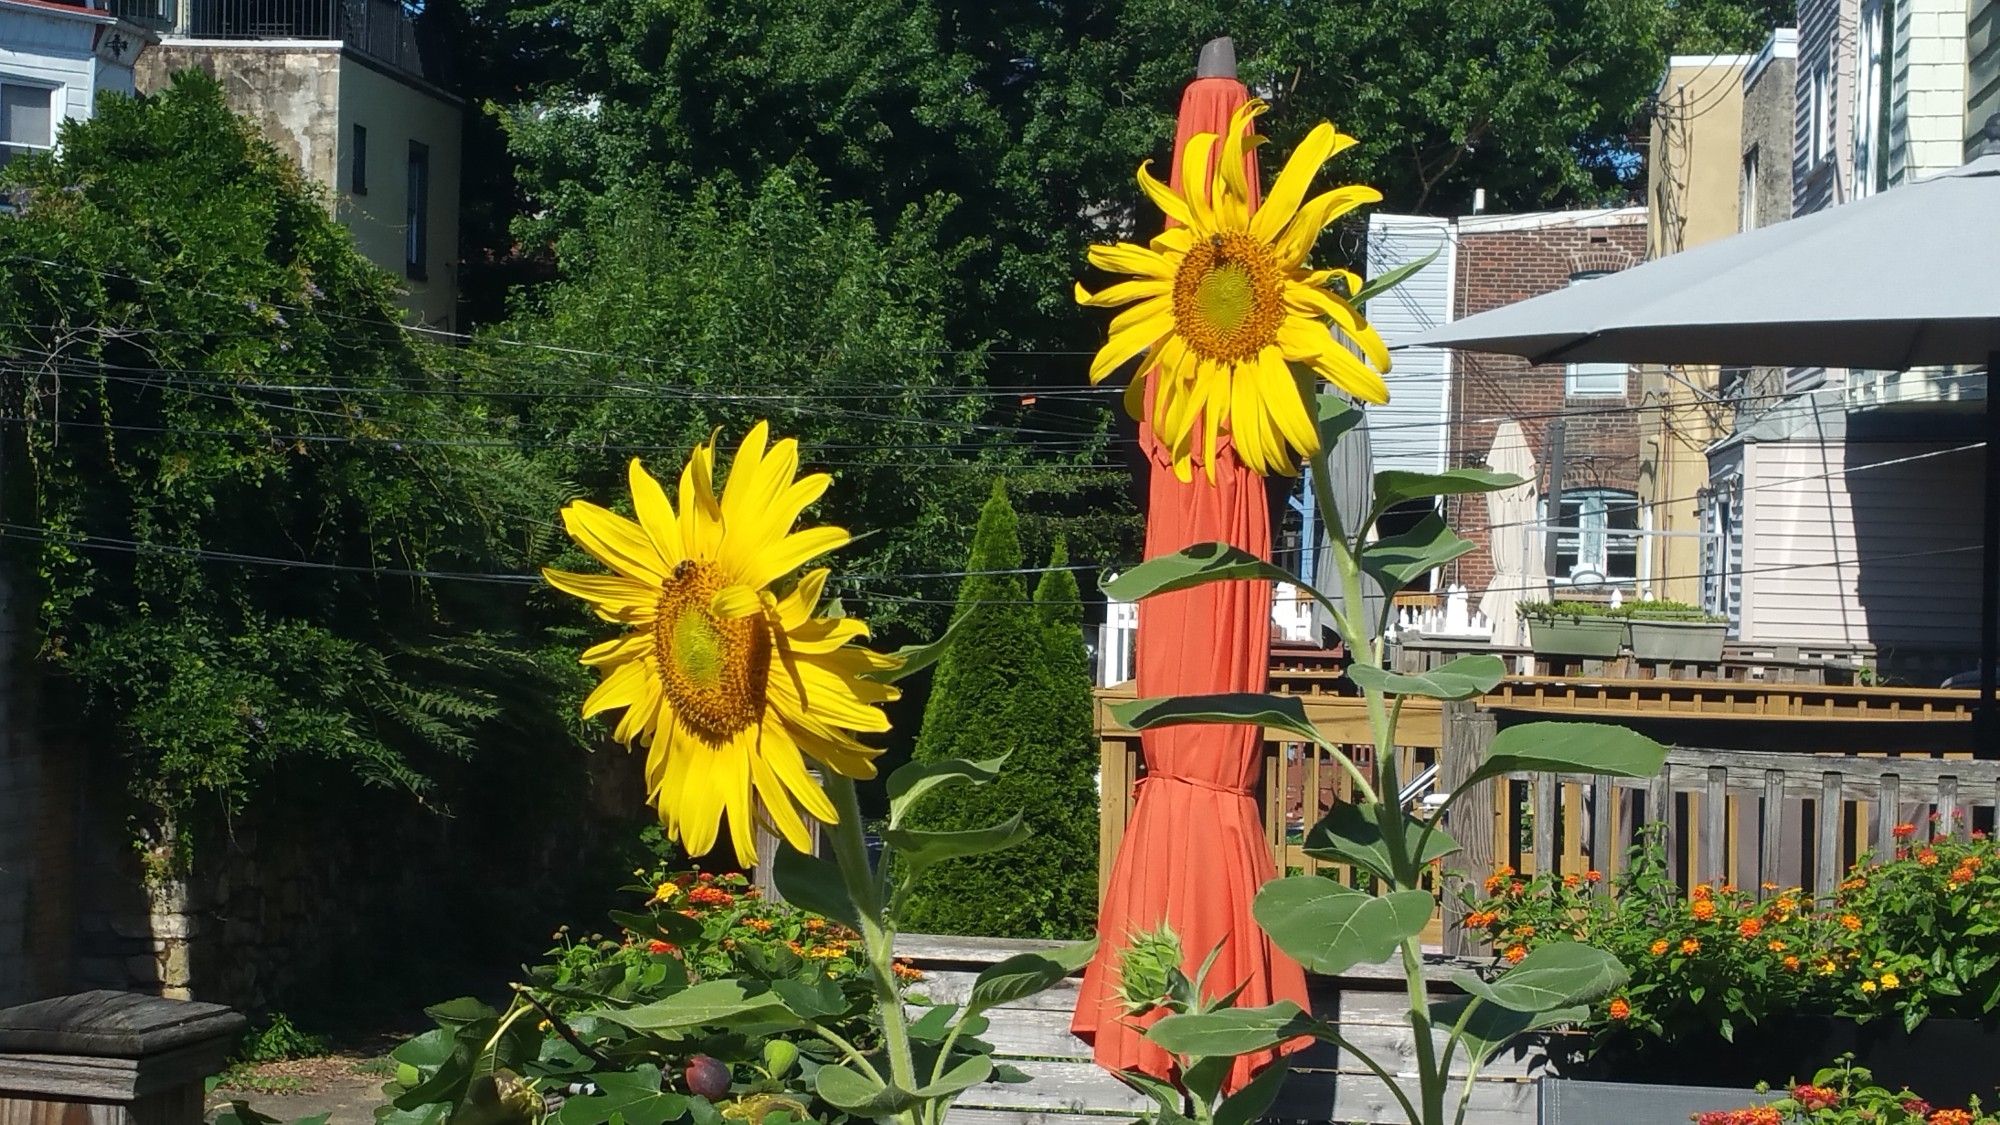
x,y
1573,628
1675,631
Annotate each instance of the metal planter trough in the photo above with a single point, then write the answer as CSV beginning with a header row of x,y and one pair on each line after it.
x,y
1678,642
1598,637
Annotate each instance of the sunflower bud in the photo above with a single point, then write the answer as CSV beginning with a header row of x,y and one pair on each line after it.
x,y
1146,971
779,1057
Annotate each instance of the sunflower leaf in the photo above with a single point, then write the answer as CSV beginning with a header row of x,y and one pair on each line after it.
x,y
814,884
911,659
1382,283
1195,566
912,781
1397,560
916,850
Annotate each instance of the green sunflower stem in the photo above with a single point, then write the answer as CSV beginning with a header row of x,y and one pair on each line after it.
x,y
878,934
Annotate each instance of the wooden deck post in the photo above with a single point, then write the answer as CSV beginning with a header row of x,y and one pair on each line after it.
x,y
111,1058
1472,820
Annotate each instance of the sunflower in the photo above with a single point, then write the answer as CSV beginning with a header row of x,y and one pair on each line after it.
x,y
1223,304
730,684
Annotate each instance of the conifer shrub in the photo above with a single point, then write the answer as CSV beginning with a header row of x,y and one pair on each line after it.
x,y
1014,679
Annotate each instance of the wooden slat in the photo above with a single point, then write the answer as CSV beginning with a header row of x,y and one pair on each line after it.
x,y
1602,810
1545,823
1827,868
1771,831
1947,806
1888,809
1714,824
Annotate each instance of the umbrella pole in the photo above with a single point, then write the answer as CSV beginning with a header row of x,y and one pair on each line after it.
x,y
1987,728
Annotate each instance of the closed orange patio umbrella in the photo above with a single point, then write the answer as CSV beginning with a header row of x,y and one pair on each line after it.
x,y
1194,852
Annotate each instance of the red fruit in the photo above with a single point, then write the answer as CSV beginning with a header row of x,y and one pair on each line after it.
x,y
707,1077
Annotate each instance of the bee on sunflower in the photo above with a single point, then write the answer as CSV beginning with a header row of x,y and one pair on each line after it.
x,y
728,674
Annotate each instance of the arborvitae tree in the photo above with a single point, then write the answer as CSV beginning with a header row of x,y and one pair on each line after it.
x,y
993,695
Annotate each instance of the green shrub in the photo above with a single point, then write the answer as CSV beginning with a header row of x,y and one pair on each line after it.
x,y
279,1040
1014,679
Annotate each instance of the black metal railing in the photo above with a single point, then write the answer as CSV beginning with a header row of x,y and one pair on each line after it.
x,y
158,14
380,29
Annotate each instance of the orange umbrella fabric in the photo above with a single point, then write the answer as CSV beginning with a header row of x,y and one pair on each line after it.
x,y
1194,853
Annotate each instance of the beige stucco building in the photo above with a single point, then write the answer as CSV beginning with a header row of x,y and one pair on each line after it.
x,y
338,86
1693,185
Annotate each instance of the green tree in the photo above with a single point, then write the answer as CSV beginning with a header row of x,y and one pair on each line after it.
x,y
995,693
236,498
772,302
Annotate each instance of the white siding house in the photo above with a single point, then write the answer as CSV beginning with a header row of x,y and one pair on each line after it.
x,y
55,62
1409,432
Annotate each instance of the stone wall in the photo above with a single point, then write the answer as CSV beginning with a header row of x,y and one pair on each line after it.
x,y
1502,260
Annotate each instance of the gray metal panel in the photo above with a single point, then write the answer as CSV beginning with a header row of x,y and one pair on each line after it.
x,y
1568,1101
1410,430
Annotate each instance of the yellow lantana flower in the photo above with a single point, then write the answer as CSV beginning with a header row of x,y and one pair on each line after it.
x,y
731,684
1223,304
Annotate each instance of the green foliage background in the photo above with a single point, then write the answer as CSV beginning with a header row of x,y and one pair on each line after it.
x,y
1014,679
231,571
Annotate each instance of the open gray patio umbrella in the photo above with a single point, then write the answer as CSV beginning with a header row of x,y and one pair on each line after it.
x,y
1908,277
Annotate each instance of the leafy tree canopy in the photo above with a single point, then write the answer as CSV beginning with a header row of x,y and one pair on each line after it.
x,y
230,486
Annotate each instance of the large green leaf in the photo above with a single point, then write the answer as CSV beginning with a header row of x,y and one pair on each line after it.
x,y
1383,282
1250,1103
1194,566
916,850
633,1097
1285,712
912,659
1335,415
814,884
1351,833
1459,678
661,925
1397,560
968,1073
1398,486
1597,748
912,781
1329,928
1025,974
814,1001
859,1094
1556,975
710,1004
1490,1027
1231,1031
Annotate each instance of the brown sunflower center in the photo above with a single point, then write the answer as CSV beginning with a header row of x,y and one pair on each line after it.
x,y
1229,297
713,669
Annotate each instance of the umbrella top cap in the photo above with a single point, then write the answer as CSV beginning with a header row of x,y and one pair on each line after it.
x,y
1218,59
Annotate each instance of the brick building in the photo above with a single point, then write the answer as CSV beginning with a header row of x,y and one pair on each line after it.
x,y
1502,259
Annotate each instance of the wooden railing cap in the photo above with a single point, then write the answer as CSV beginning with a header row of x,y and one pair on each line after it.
x,y
122,1025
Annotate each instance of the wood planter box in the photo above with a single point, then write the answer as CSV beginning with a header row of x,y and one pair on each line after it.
x,y
1577,636
1945,1061
1678,642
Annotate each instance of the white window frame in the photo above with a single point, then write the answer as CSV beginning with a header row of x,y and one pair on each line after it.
x,y
13,148
1592,379
1591,541
1819,140
1870,42
1746,190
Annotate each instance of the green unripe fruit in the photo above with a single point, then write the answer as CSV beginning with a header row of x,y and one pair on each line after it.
x,y
780,1056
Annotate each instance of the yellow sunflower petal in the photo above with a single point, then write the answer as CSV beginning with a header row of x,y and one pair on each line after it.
x,y
1123,293
792,552
1289,189
1165,198
1124,257
700,516
1345,370
617,650
1122,346
1319,302
615,598
735,601
1298,237
776,800
737,785
1194,173
796,608
1173,240
624,686
656,514
1289,413
782,756
1231,175
615,541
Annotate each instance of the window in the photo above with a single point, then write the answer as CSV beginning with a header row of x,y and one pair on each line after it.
x,y
27,119
1868,131
1746,192
1593,380
416,213
1590,549
1819,130
357,164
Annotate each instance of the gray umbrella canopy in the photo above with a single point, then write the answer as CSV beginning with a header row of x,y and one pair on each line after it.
x,y
1904,278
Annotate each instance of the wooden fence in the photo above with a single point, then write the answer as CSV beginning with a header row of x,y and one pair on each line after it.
x,y
1748,817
